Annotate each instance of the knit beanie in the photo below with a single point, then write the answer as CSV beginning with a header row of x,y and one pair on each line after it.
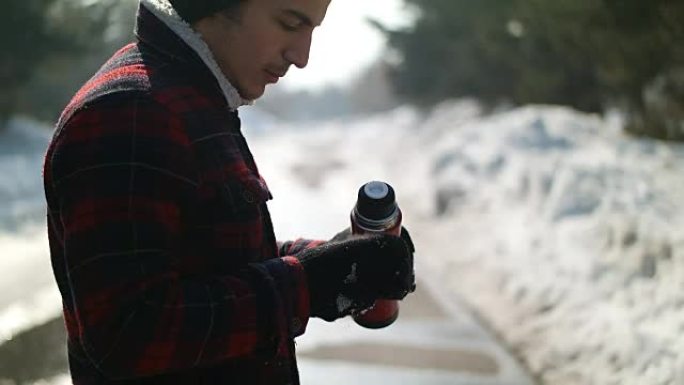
x,y
194,10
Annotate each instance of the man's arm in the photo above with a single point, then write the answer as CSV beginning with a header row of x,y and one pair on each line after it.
x,y
121,173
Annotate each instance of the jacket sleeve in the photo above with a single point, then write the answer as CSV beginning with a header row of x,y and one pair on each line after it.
x,y
122,174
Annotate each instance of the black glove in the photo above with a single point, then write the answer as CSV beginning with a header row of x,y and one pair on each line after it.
x,y
346,235
349,275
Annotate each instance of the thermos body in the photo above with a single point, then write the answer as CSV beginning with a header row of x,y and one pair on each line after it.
x,y
376,211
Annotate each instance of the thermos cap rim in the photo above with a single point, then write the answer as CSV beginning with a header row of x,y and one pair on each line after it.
x,y
376,190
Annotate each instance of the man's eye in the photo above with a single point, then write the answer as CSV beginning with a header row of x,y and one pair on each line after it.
x,y
289,26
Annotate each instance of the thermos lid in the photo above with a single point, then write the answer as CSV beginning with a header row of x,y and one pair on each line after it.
x,y
376,201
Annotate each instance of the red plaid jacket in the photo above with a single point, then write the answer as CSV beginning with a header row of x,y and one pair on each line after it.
x,y
160,238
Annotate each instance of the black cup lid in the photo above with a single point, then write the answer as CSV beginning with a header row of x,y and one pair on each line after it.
x,y
376,200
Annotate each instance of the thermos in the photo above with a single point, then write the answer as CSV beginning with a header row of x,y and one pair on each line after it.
x,y
376,211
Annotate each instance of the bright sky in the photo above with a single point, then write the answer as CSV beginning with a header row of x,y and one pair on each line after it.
x,y
345,43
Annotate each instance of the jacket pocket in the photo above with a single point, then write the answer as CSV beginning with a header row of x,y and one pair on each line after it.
x,y
244,191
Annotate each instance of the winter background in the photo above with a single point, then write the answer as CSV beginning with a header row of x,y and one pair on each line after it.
x,y
559,231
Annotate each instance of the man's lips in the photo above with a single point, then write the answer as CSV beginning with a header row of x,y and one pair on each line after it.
x,y
273,76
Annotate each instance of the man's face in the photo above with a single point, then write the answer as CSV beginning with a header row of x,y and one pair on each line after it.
x,y
257,46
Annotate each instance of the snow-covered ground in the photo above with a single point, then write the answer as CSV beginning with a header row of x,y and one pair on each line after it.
x,y
22,145
24,256
563,234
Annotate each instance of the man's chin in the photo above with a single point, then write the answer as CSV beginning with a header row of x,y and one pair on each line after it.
x,y
252,93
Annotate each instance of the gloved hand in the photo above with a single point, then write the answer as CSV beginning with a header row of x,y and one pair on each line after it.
x,y
349,275
346,234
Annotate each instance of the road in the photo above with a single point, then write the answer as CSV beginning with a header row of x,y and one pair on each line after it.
x,y
432,343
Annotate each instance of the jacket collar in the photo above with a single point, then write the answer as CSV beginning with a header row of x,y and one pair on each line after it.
x,y
164,12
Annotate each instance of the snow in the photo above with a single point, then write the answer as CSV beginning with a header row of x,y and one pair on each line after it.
x,y
28,295
577,228
559,231
22,145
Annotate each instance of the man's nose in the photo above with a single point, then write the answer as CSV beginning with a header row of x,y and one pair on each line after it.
x,y
298,52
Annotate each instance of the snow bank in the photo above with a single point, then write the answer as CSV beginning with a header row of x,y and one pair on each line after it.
x,y
22,145
562,233
569,243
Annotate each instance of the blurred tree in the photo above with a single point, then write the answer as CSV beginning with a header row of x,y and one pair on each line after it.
x,y
52,46
589,54
304,105
372,92
27,39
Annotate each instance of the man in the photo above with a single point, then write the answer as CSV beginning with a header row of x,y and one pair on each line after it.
x,y
161,241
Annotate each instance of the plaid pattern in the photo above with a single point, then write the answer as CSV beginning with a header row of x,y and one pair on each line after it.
x,y
161,242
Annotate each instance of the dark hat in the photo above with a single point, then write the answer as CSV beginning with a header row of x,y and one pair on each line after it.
x,y
194,10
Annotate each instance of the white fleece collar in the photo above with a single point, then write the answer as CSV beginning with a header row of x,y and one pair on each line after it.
x,y
163,10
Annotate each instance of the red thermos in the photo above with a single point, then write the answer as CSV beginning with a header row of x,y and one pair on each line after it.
x,y
376,211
